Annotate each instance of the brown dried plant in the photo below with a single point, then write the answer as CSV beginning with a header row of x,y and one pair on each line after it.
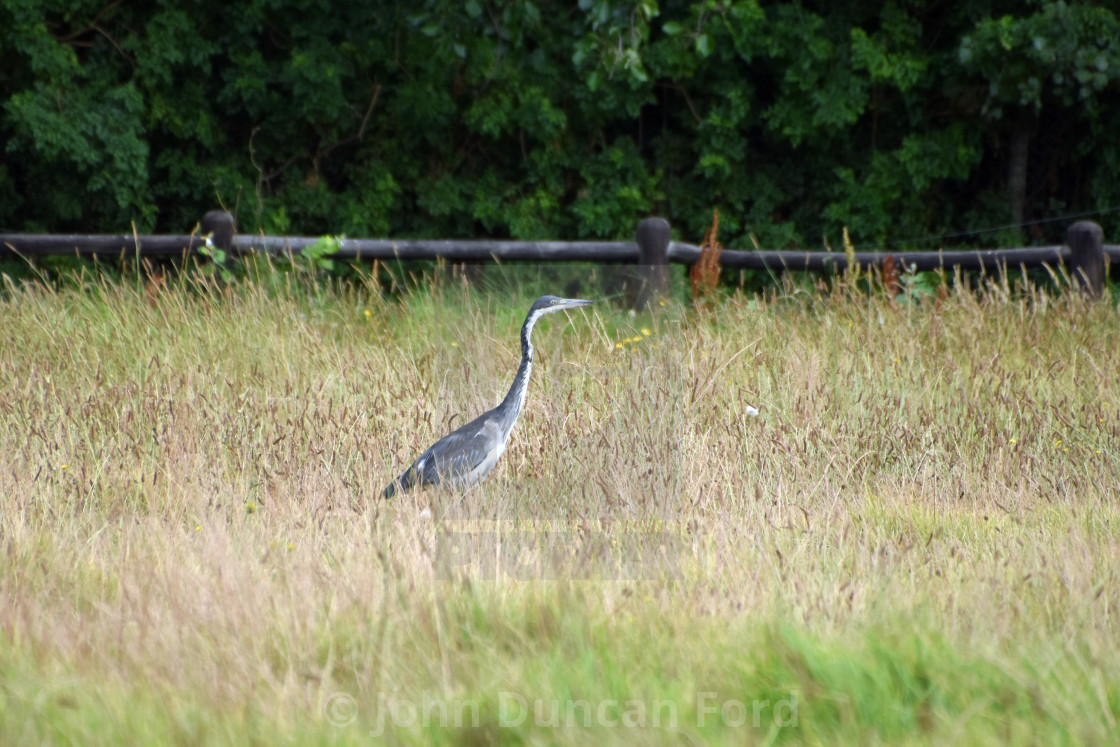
x,y
704,275
891,277
152,287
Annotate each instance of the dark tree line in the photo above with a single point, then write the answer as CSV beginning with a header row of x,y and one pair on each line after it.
x,y
562,119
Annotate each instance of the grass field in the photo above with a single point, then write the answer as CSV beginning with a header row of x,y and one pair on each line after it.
x,y
917,540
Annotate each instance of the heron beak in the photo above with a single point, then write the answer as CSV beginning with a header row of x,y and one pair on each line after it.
x,y
571,303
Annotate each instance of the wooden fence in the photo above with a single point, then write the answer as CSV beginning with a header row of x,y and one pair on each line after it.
x,y
1083,255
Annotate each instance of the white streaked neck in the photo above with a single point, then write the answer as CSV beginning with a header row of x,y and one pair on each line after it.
x,y
514,401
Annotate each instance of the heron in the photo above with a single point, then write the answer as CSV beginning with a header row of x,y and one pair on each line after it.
x,y
465,456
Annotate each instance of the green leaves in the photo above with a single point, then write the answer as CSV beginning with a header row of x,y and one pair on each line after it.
x,y
218,265
619,188
1064,53
316,257
902,69
533,120
86,141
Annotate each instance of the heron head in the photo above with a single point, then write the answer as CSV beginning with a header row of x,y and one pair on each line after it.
x,y
549,304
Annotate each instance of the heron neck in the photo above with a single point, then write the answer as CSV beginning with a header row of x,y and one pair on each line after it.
x,y
515,398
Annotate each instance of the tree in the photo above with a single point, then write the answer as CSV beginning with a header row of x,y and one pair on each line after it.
x,y
899,119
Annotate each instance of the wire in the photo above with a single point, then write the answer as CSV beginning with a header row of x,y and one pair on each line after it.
x,y
962,234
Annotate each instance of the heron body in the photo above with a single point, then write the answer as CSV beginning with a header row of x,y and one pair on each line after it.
x,y
465,456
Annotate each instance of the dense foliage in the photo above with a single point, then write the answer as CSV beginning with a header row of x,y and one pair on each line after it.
x,y
537,119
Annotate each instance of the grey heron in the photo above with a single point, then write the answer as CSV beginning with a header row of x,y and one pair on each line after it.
x,y
465,456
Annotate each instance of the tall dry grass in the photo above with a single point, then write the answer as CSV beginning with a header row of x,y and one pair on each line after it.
x,y
916,539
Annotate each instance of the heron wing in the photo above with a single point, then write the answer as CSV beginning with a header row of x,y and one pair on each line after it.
x,y
456,455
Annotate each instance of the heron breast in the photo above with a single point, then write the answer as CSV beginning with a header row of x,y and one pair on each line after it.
x,y
496,440
478,473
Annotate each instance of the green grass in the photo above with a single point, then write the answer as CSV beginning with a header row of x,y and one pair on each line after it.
x,y
916,541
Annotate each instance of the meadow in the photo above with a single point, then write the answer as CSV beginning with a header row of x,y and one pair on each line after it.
x,y
915,541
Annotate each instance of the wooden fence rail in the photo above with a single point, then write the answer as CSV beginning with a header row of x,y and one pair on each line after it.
x,y
1083,255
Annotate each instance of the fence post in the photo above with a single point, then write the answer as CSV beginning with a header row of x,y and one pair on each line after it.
x,y
653,237
1086,261
221,226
